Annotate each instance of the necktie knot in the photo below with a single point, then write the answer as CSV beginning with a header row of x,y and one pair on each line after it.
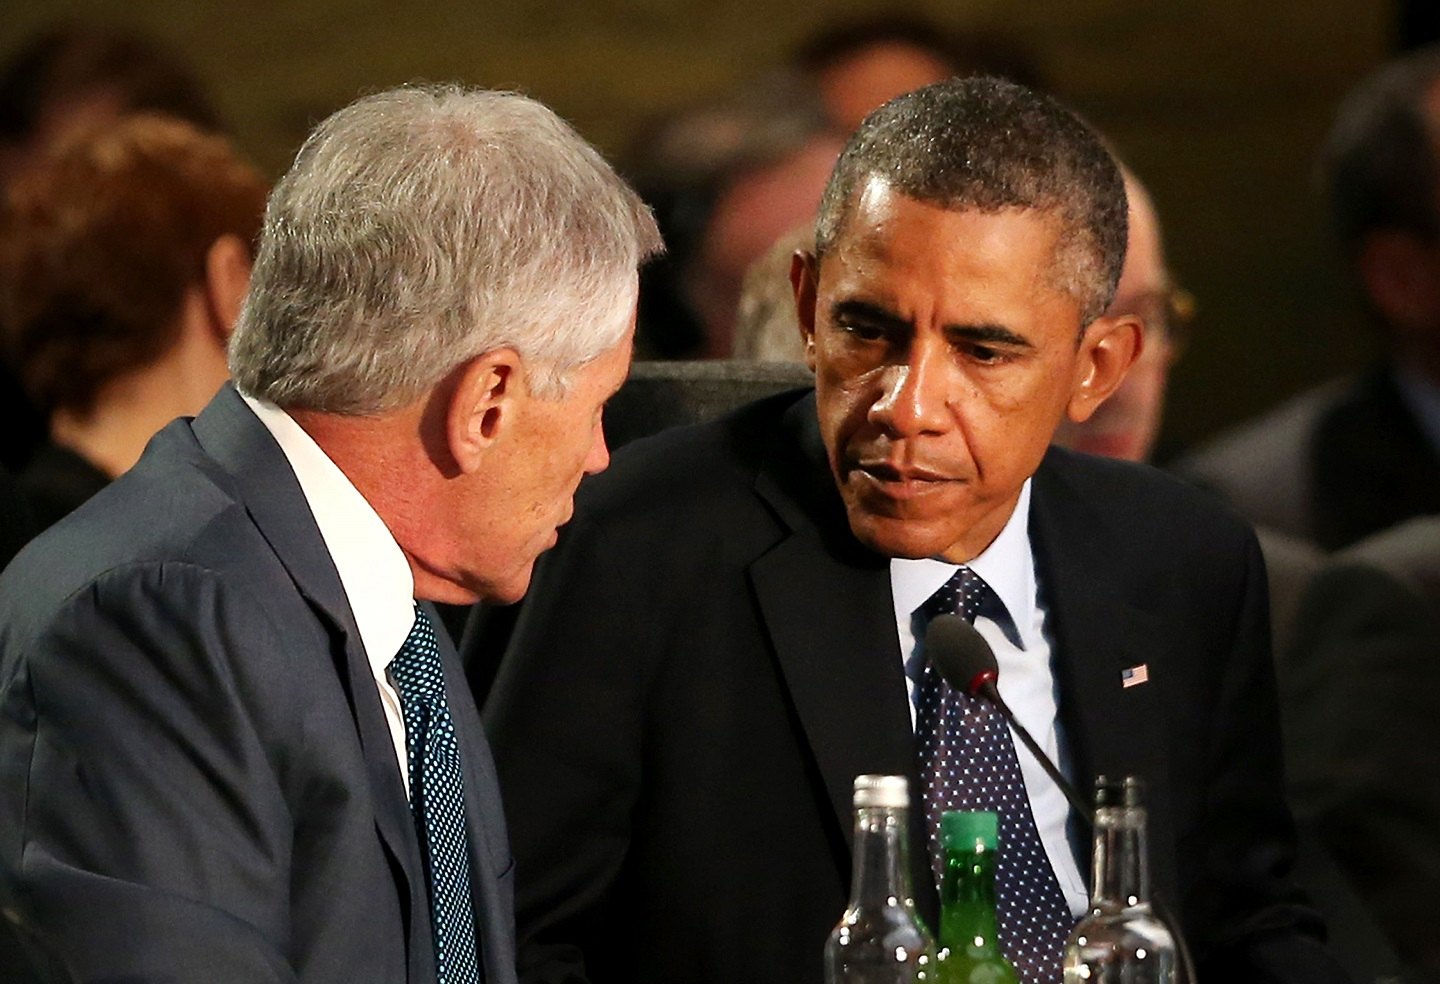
x,y
416,667
965,594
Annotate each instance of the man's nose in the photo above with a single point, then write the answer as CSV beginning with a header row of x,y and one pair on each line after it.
x,y
599,457
917,393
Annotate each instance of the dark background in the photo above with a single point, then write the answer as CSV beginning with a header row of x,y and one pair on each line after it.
x,y
1217,104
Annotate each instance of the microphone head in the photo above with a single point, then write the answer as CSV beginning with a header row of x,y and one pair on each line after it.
x,y
961,654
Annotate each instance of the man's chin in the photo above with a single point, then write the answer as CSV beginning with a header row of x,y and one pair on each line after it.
x,y
893,536
506,591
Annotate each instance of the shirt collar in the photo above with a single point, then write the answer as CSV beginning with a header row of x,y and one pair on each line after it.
x,y
1007,565
373,570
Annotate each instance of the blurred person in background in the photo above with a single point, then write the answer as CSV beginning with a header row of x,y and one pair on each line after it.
x,y
730,176
860,64
74,76
1127,424
124,256
726,178
1356,456
1359,684
766,327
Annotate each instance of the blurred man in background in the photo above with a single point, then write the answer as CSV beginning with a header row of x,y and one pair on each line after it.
x,y
1127,424
1357,456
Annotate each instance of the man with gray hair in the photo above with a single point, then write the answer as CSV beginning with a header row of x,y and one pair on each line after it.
x,y
233,747
733,627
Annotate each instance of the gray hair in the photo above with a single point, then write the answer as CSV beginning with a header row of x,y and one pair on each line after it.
x,y
991,145
1378,162
420,227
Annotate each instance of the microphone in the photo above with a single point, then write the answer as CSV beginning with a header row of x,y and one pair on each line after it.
x,y
966,662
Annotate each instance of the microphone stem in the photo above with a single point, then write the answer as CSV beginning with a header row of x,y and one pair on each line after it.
x,y
1077,803
1167,916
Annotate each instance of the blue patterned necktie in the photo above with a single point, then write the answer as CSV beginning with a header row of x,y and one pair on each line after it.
x,y
437,801
967,762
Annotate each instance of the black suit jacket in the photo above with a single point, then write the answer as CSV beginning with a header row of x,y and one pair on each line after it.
x,y
709,658
197,782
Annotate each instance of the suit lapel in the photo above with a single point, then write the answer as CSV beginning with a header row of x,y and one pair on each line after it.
x,y
1110,728
825,602
261,479
841,668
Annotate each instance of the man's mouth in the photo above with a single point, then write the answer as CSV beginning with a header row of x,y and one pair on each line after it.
x,y
899,481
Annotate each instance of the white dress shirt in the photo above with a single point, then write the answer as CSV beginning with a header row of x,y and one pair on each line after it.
x,y
372,568
1027,681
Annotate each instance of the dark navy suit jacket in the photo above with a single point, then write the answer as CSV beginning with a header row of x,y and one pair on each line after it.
x,y
197,782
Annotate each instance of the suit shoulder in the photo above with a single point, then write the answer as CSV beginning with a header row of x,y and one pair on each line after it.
x,y
1269,442
1143,500
699,465
168,511
1263,467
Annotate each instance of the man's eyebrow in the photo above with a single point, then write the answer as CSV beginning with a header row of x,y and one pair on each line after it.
x,y
867,312
990,334
870,313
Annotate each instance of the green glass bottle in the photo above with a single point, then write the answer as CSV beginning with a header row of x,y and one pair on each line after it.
x,y
968,926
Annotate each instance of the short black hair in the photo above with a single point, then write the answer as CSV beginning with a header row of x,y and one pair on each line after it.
x,y
1378,163
989,145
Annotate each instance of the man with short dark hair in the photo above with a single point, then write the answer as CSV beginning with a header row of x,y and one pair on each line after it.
x,y
233,746
1356,456
733,626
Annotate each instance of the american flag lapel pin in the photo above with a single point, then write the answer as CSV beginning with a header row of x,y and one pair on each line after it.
x,y
1133,676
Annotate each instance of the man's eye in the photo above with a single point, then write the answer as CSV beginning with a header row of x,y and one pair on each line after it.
x,y
863,330
987,355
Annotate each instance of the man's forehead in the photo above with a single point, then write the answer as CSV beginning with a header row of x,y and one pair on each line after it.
x,y
881,212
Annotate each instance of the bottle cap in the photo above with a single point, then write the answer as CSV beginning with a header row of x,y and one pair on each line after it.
x,y
1124,791
966,830
891,791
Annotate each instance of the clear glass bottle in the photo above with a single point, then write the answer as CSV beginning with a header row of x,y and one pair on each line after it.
x,y
880,939
1120,940
969,929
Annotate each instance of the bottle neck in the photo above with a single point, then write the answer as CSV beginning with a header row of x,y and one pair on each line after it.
x,y
881,857
1120,867
967,898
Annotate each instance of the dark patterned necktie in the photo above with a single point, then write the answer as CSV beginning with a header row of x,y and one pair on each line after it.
x,y
437,801
967,762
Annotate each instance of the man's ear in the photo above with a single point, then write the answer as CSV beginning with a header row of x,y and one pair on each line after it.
x,y
227,278
482,405
1108,349
805,278
1399,272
